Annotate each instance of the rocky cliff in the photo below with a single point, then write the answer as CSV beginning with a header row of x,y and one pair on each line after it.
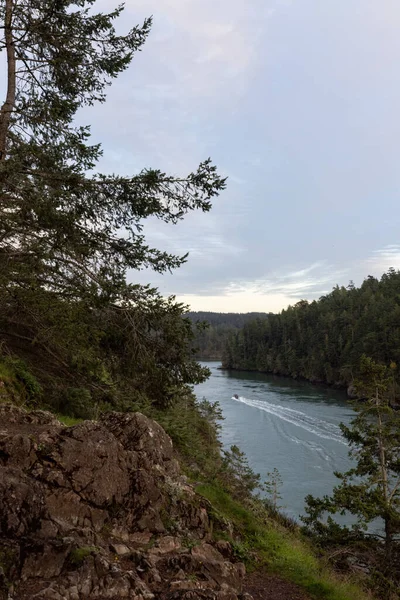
x,y
101,511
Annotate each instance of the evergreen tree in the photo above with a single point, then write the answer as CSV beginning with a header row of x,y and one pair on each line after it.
x,y
323,340
272,486
241,478
371,489
214,329
68,234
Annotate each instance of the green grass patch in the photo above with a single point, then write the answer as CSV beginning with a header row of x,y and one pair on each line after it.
x,y
78,556
282,552
68,421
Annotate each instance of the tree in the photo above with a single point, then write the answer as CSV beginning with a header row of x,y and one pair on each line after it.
x,y
241,478
272,486
68,234
211,413
324,340
371,489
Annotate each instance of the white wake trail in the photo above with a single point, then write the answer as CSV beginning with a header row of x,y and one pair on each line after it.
x,y
319,427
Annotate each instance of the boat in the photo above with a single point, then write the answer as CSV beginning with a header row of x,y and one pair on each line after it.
x,y
236,396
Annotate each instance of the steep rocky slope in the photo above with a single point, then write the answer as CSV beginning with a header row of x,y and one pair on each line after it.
x,y
100,510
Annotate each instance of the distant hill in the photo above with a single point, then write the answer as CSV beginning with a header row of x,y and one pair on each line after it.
x,y
210,342
323,340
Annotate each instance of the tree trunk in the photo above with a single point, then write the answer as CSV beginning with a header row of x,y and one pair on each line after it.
x,y
388,540
384,482
382,462
8,106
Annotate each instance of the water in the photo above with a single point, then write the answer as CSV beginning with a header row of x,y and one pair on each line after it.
x,y
282,423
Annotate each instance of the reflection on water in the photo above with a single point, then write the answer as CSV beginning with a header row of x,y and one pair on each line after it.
x,y
282,423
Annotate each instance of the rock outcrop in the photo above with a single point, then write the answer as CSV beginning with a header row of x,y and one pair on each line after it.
x,y
100,511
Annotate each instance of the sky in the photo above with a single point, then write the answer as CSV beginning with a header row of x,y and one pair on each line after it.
x,y
298,103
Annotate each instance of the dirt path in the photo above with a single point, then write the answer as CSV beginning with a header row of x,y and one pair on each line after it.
x,y
269,587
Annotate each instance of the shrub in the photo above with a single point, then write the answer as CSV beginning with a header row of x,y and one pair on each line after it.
x,y
78,403
18,384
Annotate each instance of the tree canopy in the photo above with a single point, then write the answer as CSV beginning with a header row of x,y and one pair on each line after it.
x,y
323,340
69,235
210,340
370,490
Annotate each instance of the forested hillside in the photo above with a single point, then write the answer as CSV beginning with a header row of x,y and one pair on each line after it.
x,y
323,340
210,340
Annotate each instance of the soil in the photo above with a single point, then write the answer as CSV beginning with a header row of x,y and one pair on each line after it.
x,y
263,586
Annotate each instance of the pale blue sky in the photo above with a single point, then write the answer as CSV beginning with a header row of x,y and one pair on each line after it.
x,y
297,102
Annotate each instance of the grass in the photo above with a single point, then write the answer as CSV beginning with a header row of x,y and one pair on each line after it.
x,y
68,421
283,553
78,556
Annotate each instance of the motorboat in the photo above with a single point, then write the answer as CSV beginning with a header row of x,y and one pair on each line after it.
x,y
236,396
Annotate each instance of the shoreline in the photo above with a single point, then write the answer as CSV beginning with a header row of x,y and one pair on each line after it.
x,y
324,384
334,386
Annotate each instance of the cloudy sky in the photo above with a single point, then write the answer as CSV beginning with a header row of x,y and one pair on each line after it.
x,y
298,103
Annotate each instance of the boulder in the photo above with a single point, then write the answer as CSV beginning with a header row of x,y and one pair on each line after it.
x,y
87,512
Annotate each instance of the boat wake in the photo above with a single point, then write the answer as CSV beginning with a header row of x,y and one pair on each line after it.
x,y
319,427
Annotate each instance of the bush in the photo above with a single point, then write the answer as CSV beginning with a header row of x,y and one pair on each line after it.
x,y
29,381
78,403
19,385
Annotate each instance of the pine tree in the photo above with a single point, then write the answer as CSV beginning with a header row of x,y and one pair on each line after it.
x,y
68,234
241,478
323,340
272,486
371,489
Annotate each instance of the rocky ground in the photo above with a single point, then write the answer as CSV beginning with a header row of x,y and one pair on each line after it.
x,y
101,511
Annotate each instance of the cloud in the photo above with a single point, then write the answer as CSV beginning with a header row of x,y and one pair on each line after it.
x,y
309,282
272,292
242,303
295,105
198,61
384,258
206,45
279,290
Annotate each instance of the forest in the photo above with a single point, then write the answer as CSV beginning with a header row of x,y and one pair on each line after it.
x,y
322,341
210,338
81,338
